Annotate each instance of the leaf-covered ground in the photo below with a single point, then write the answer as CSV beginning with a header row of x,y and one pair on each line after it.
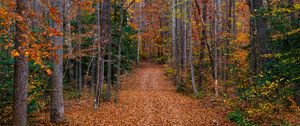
x,y
147,97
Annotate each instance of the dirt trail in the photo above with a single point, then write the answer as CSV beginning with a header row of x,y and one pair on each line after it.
x,y
147,98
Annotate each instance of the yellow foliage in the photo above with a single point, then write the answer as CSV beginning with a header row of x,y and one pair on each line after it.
x,y
15,53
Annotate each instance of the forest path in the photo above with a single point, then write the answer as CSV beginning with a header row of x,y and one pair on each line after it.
x,y
147,98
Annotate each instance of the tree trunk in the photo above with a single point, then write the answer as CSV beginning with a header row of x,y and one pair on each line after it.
x,y
217,43
119,52
174,39
178,54
99,66
21,67
139,34
109,72
79,64
189,39
184,40
227,46
68,41
57,105
259,43
203,42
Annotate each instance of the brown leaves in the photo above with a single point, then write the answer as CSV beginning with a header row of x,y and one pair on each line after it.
x,y
54,15
146,98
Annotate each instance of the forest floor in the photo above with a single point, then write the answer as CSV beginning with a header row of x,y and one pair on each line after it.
x,y
147,97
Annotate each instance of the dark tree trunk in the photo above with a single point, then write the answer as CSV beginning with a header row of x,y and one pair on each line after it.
x,y
21,68
259,43
119,52
109,72
79,63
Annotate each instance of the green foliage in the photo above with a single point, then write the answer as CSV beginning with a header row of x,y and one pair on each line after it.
x,y
239,118
274,89
161,59
6,85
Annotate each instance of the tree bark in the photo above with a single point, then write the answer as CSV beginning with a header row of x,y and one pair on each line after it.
x,y
259,43
174,39
56,81
119,51
139,34
189,39
184,40
79,64
109,72
99,62
217,43
21,67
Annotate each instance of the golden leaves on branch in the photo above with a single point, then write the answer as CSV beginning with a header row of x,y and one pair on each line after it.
x,y
15,53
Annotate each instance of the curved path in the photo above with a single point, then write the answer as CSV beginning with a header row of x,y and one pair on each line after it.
x,y
147,98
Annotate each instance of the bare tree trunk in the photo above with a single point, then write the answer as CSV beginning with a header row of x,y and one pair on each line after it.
x,y
174,39
119,52
21,67
97,90
217,43
139,34
107,20
259,38
68,41
189,39
57,105
93,74
109,73
178,54
184,40
203,41
79,67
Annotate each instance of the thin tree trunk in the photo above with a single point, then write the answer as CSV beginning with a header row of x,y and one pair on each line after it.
x,y
109,72
217,43
178,55
189,39
57,105
119,52
174,39
21,68
97,90
203,42
184,40
79,79
68,41
139,34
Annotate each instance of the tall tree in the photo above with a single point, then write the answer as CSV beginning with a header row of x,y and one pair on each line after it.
x,y
106,39
174,14
259,43
21,66
190,40
139,32
56,81
217,40
119,51
184,39
99,66
79,63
